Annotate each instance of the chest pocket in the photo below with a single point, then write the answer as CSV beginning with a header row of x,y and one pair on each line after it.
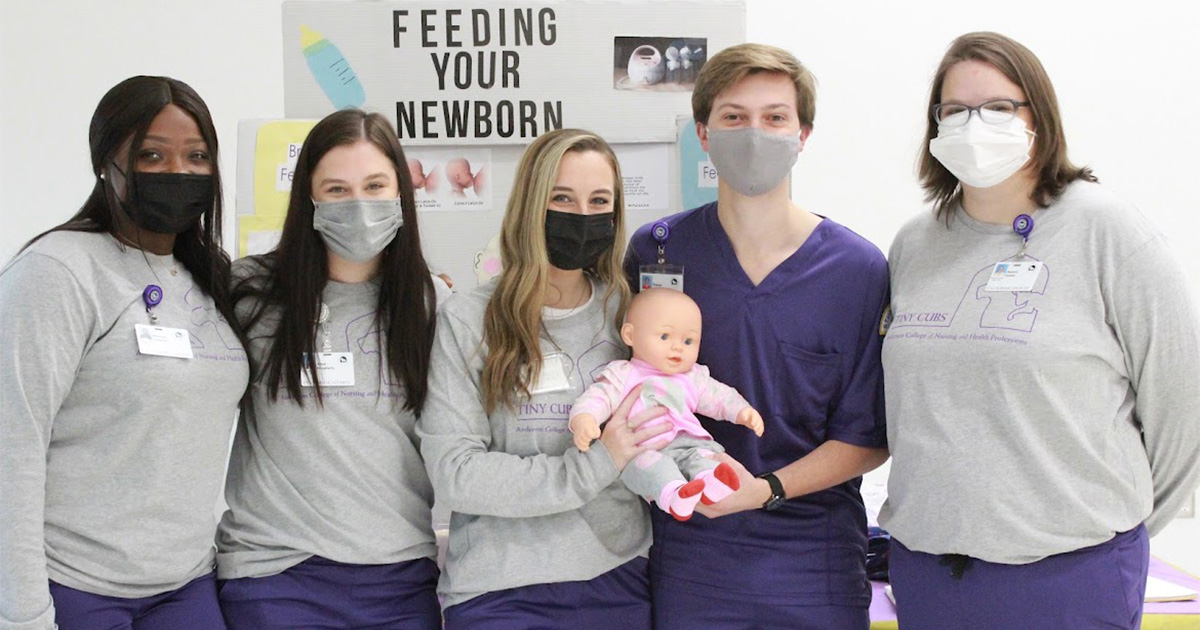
x,y
806,386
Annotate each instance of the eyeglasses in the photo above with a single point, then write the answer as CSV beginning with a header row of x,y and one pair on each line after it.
x,y
995,112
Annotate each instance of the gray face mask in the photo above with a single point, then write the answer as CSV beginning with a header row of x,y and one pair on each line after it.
x,y
357,229
750,160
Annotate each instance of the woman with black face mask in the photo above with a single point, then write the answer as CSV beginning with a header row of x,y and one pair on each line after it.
x,y
541,534
121,380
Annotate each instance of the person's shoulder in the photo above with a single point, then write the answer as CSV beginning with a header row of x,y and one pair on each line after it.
x,y
252,271
66,257
74,249
847,242
1090,207
467,307
917,231
250,267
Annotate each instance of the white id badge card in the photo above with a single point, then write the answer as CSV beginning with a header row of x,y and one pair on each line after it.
x,y
163,342
554,375
660,277
334,369
1014,276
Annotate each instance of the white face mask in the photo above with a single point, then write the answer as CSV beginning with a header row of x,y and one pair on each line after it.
x,y
357,229
981,154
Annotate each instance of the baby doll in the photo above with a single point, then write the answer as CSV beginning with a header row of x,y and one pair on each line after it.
x,y
663,328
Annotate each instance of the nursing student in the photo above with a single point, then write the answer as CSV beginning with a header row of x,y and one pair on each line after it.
x,y
121,378
1041,369
794,301
329,521
541,535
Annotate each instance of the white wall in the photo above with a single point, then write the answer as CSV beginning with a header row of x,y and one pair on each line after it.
x,y
1126,78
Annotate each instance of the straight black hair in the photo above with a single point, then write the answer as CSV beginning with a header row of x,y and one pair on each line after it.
x,y
122,117
297,271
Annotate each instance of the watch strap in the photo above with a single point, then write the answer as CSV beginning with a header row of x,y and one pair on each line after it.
x,y
778,496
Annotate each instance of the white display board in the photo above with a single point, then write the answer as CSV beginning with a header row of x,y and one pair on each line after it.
x,y
469,84
504,72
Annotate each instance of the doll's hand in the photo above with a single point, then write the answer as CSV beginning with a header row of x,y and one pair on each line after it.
x,y
749,417
586,429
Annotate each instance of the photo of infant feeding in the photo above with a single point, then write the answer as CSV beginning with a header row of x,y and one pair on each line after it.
x,y
451,179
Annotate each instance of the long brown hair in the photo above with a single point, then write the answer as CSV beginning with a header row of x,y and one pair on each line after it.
x,y
1019,64
298,271
514,313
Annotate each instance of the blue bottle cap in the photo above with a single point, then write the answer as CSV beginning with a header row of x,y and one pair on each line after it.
x,y
660,231
152,295
1023,225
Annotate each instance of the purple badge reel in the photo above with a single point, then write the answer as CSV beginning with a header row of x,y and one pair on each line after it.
x,y
660,275
152,296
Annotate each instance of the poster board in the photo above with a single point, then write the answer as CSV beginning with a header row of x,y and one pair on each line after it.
x,y
503,72
480,80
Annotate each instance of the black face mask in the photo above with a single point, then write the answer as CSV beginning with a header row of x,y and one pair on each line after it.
x,y
169,203
575,241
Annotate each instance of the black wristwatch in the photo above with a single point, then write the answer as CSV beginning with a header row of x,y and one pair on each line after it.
x,y
777,495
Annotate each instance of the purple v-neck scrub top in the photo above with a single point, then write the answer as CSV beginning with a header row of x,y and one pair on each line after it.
x,y
803,347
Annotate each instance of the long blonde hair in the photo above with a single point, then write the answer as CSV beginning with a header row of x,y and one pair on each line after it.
x,y
513,316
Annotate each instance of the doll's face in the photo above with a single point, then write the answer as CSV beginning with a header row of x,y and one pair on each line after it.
x,y
663,328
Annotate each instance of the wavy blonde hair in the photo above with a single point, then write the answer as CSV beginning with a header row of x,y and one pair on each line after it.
x,y
513,316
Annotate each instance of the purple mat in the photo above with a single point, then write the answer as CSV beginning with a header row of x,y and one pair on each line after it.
x,y
883,610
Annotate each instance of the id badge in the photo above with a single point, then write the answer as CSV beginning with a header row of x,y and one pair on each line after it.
x,y
1014,276
334,369
163,342
660,277
554,375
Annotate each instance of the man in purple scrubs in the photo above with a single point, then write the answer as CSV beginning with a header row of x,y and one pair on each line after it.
x,y
792,305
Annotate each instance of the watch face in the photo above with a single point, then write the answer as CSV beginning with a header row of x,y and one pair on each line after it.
x,y
773,503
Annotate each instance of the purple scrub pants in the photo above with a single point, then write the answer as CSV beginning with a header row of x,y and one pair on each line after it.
x,y
1094,587
321,593
617,600
193,606
680,609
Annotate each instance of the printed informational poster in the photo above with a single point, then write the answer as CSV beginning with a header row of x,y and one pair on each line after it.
x,y
504,72
267,154
697,175
451,179
645,174
275,151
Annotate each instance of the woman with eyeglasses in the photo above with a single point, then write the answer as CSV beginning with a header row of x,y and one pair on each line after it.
x,y
1040,366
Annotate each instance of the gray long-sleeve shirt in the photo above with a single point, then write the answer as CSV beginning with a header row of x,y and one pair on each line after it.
x,y
1026,424
527,507
344,480
111,460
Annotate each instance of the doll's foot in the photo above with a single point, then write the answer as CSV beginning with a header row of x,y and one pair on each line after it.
x,y
719,483
683,501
